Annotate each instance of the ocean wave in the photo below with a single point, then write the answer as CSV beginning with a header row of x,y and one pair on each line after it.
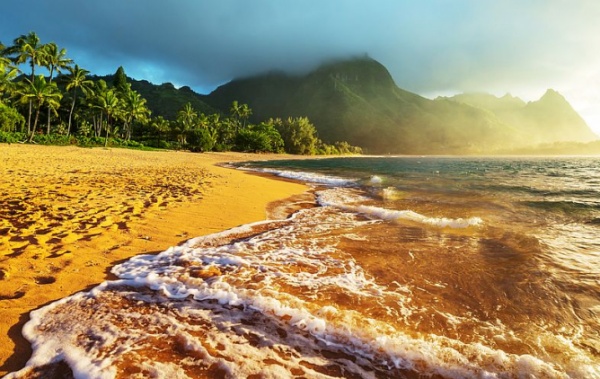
x,y
303,176
351,201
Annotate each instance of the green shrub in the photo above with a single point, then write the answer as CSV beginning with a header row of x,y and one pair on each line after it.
x,y
51,139
90,141
10,119
201,139
14,137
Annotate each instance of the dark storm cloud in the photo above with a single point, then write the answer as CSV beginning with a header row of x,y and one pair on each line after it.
x,y
434,46
200,43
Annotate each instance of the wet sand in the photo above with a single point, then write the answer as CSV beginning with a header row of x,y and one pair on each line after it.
x,y
67,215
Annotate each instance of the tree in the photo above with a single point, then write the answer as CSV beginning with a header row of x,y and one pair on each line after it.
x,y
120,81
27,47
240,114
244,113
134,108
92,98
201,139
39,92
108,102
225,132
160,126
76,81
7,74
234,115
185,121
54,60
299,135
260,138
10,119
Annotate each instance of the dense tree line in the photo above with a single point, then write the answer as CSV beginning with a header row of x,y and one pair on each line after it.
x,y
64,106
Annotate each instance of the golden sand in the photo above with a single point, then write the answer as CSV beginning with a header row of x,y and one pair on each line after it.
x,y
67,215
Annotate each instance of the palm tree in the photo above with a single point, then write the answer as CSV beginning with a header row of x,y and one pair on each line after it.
x,y
203,121
108,102
54,60
27,47
244,113
39,92
185,119
76,80
7,73
93,95
161,127
235,114
134,107
240,114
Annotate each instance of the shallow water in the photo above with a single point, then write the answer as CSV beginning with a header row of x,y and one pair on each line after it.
x,y
403,268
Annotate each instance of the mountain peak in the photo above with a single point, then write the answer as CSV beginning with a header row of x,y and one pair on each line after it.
x,y
552,99
553,114
359,69
552,95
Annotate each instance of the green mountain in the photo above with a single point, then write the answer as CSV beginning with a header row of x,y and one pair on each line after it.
x,y
165,100
547,120
357,101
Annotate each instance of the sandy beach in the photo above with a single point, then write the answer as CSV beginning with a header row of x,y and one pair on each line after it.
x,y
68,214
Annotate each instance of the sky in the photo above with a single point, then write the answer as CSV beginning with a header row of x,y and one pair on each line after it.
x,y
431,47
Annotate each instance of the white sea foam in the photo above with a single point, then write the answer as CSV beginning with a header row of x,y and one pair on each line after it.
x,y
390,193
308,177
349,200
376,179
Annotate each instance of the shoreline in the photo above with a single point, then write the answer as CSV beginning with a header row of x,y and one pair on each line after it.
x,y
70,214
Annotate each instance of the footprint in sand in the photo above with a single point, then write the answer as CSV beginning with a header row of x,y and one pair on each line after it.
x,y
16,295
4,273
45,279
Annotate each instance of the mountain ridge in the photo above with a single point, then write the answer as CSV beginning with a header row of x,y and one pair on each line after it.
x,y
357,100
546,120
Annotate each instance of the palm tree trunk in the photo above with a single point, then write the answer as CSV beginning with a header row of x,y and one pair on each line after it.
x,y
32,63
37,115
50,81
48,126
98,125
107,129
71,113
29,117
128,129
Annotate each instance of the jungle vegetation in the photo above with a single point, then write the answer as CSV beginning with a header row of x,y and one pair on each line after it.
x,y
47,98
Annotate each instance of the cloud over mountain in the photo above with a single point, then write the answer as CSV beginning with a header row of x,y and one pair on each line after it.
x,y
430,47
